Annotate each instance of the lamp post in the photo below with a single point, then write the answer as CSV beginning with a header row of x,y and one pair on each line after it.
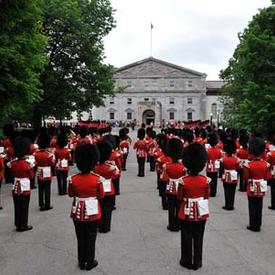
x,y
218,119
211,119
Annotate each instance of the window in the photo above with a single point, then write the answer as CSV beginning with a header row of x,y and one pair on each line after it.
x,y
214,110
189,116
146,99
189,100
190,83
112,115
129,83
171,115
129,100
172,83
112,100
154,83
171,100
129,115
146,83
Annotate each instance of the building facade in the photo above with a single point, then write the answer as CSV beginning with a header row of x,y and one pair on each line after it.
x,y
153,91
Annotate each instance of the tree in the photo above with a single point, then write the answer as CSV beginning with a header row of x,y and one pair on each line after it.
x,y
22,56
75,77
250,76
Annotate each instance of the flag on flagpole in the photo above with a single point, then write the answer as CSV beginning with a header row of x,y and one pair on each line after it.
x,y
152,26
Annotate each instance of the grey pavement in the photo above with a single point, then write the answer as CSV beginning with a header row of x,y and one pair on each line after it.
x,y
139,242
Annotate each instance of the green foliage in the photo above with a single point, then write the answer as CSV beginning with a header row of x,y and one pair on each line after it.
x,y
22,56
250,90
75,77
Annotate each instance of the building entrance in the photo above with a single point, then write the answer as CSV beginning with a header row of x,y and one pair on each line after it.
x,y
148,117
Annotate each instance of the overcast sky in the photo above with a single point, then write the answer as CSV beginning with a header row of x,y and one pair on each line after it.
x,y
197,34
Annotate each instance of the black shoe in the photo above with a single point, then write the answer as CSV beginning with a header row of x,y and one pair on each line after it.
x,y
188,266
196,266
253,229
24,228
173,228
103,231
91,266
271,207
1,207
42,208
48,208
113,208
225,208
82,266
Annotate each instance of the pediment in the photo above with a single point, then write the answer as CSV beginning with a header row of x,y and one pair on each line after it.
x,y
152,67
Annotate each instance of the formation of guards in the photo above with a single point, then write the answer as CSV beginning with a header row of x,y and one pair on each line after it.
x,y
189,163
27,158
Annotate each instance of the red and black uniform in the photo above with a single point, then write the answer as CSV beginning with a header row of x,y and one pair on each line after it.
x,y
86,212
2,167
230,166
214,154
158,154
109,172
62,158
45,161
172,176
243,155
193,196
271,182
8,150
22,172
161,161
256,172
116,157
141,150
152,145
124,147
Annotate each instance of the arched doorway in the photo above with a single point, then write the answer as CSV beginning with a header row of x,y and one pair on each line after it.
x,y
148,117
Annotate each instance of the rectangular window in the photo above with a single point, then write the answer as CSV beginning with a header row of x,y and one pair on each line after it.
x,y
190,83
154,84
171,115
129,83
189,116
129,100
171,100
129,115
112,115
146,83
172,83
112,100
189,100
146,99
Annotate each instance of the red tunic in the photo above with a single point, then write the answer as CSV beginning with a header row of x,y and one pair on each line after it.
x,y
152,145
44,158
213,154
256,170
271,161
141,147
2,157
116,156
230,165
193,187
62,154
124,146
20,169
85,186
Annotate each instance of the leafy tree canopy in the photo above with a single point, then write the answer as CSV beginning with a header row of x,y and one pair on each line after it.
x,y
250,75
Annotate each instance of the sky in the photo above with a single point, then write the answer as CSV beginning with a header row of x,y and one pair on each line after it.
x,y
197,34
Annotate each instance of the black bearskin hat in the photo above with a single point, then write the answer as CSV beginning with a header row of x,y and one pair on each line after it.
x,y
256,146
62,140
86,157
189,136
105,151
83,131
244,141
230,146
175,149
141,133
21,146
111,140
44,140
213,139
194,158
153,134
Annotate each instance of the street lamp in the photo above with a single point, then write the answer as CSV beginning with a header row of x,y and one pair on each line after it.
x,y
211,119
218,119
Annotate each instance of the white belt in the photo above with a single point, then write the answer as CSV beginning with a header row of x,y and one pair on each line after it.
x,y
91,205
202,206
24,184
107,184
45,171
255,184
173,183
233,175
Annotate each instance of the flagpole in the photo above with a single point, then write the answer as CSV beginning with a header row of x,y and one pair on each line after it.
x,y
151,40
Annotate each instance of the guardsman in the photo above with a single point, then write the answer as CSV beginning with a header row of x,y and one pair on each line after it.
x,y
230,166
45,160
109,171
172,176
22,172
124,146
62,158
271,161
152,145
2,167
256,172
214,154
193,196
141,151
86,189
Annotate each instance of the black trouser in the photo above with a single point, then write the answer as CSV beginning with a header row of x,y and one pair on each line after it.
x,y
152,163
8,175
255,207
272,189
213,184
162,191
242,181
21,210
141,164
107,205
229,195
158,181
44,193
62,176
192,242
124,159
116,183
86,237
173,210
